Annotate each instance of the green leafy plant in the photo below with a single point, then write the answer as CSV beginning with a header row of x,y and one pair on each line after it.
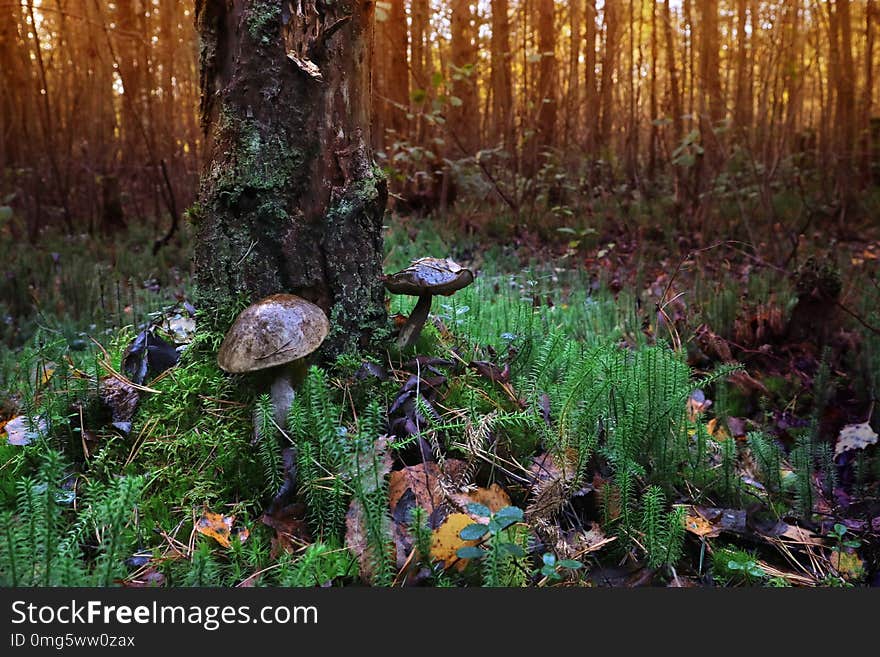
x,y
737,567
500,550
552,569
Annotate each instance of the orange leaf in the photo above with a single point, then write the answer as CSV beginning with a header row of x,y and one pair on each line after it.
x,y
219,527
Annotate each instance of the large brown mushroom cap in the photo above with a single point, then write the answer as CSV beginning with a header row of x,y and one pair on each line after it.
x,y
429,276
271,332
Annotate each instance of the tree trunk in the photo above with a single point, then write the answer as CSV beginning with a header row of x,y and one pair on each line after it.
x,y
591,93
573,98
464,116
290,199
397,88
501,77
547,80
868,93
420,61
742,104
846,105
609,68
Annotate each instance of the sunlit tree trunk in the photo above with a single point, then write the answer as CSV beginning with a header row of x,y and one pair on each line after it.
x,y
398,71
742,102
463,121
652,107
591,90
501,77
841,48
609,69
675,99
546,97
290,199
573,97
420,60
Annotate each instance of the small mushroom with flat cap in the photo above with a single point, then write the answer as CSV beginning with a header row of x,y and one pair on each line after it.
x,y
424,278
274,334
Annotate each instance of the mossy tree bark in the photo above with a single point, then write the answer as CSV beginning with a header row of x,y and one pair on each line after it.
x,y
290,199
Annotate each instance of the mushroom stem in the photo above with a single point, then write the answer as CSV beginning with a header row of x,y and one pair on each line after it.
x,y
410,332
282,391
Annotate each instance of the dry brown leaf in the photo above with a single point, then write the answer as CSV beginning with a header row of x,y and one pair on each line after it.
x,y
855,436
424,481
802,536
356,541
219,527
446,540
291,528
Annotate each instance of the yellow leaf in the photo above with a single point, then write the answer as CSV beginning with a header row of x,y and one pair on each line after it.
x,y
848,565
446,541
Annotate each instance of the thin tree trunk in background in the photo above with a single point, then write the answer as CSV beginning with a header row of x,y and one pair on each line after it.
x,y
12,80
609,68
463,120
742,104
675,100
652,108
290,198
845,106
573,98
397,88
501,78
420,60
711,101
591,92
381,66
868,93
546,98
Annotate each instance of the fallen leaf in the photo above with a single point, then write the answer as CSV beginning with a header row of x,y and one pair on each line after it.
x,y
717,430
373,464
446,541
358,544
697,524
148,355
220,528
494,497
291,528
802,536
855,436
21,432
180,328
424,482
737,426
848,565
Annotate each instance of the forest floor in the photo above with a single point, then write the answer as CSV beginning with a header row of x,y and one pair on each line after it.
x,y
609,404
